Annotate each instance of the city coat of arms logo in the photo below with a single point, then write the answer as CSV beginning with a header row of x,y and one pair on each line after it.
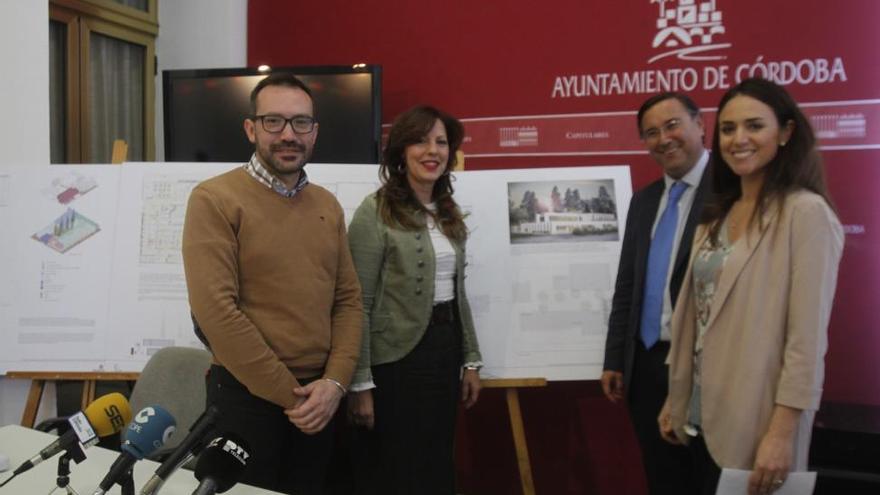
x,y
690,30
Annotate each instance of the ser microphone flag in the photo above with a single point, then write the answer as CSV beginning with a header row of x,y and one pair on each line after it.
x,y
105,416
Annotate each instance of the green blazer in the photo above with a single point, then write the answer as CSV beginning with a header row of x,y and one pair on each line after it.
x,y
396,272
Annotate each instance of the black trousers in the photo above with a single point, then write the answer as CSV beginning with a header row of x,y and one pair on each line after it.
x,y
706,472
410,450
668,468
282,458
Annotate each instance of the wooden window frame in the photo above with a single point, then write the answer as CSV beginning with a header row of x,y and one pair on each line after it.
x,y
108,10
105,17
72,127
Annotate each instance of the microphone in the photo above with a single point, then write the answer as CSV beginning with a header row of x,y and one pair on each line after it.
x,y
188,448
221,464
150,430
105,416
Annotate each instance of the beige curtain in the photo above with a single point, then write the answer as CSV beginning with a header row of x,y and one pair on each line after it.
x,y
116,96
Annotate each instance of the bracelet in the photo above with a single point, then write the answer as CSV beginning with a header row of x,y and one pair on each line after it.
x,y
334,382
472,368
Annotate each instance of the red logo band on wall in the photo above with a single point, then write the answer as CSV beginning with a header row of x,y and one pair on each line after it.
x,y
838,126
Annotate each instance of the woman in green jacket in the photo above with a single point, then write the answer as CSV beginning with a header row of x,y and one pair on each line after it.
x,y
419,355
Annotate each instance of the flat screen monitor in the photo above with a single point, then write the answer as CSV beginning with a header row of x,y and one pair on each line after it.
x,y
205,111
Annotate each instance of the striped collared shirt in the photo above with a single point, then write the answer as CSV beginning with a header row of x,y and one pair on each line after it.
x,y
259,172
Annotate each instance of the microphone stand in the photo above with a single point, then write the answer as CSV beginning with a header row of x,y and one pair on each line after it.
x,y
62,481
127,483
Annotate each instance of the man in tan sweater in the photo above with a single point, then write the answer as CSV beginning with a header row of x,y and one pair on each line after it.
x,y
272,287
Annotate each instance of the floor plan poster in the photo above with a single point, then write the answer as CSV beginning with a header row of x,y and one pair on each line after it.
x,y
148,300
59,230
543,256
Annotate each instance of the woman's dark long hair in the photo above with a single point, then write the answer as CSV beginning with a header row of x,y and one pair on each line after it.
x,y
398,205
797,165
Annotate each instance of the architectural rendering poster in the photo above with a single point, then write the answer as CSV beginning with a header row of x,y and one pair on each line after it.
x,y
540,212
543,256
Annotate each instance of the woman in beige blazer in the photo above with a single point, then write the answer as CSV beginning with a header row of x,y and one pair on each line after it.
x,y
750,331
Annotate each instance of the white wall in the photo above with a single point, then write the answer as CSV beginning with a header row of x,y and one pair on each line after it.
x,y
24,86
24,128
193,34
198,34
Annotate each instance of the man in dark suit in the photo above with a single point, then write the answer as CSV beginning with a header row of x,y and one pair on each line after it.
x,y
656,247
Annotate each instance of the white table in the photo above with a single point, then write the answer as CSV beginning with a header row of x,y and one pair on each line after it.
x,y
20,444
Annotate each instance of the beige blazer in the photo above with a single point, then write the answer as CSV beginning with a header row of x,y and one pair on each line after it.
x,y
767,331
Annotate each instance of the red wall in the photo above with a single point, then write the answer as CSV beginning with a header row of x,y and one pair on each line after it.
x,y
501,58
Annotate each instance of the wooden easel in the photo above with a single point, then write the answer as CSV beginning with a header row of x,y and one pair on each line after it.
x,y
38,383
516,423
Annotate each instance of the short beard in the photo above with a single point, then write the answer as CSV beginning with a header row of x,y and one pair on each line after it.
x,y
278,168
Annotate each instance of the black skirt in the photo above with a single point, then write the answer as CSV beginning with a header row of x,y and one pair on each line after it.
x,y
410,450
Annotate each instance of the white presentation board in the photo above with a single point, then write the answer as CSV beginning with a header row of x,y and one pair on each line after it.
x,y
94,276
59,228
540,288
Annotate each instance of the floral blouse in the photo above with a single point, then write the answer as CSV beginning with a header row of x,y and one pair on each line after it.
x,y
708,265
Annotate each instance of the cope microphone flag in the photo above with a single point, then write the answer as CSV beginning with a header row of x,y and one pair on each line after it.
x,y
105,416
148,431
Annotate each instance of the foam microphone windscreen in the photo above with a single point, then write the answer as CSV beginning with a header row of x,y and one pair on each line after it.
x,y
222,462
150,429
109,414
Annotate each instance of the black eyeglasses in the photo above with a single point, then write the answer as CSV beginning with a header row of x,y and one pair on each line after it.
x,y
301,124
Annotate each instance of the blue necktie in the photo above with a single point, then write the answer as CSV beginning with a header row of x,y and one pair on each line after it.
x,y
658,267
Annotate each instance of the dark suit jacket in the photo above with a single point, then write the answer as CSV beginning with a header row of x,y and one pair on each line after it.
x,y
626,306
